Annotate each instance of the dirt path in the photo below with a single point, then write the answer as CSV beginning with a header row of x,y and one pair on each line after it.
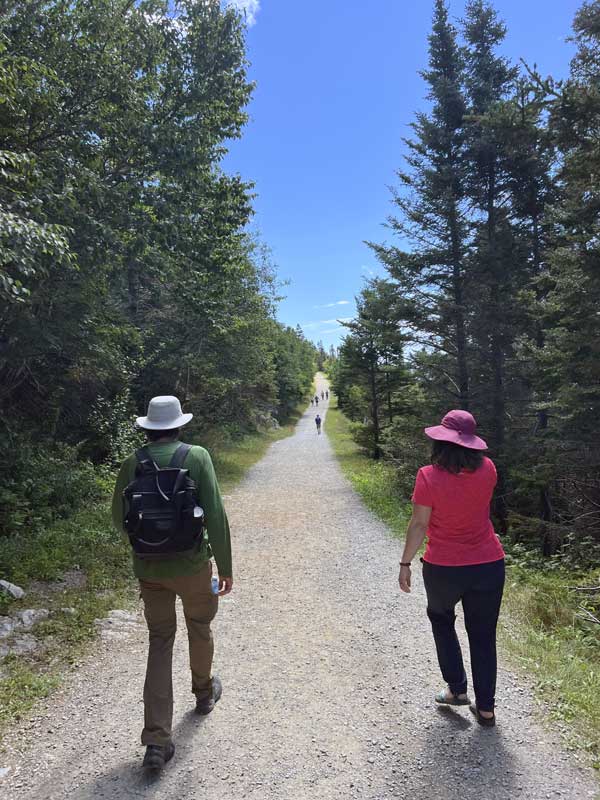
x,y
328,677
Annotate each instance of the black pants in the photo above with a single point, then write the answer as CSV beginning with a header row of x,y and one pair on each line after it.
x,y
480,588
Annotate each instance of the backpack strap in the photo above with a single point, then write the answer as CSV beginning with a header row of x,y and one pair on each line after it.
x,y
143,455
180,455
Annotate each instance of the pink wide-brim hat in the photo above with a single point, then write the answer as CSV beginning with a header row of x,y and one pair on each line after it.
x,y
458,427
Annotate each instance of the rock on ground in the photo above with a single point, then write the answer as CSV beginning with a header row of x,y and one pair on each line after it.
x,y
329,676
12,589
31,616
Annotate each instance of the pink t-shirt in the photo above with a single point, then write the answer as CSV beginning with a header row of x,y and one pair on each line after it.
x,y
460,530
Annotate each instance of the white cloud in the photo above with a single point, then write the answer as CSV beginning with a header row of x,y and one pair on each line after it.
x,y
337,303
324,322
249,8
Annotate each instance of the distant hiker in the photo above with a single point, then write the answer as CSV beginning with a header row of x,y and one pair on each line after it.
x,y
318,422
167,502
327,394
322,395
312,401
463,560
316,400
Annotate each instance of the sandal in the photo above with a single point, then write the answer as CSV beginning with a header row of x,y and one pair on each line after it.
x,y
487,722
448,698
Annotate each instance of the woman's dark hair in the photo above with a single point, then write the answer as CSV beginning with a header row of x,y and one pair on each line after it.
x,y
153,436
454,458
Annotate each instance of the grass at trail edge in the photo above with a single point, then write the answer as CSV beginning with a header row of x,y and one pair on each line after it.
x,y
80,569
539,628
373,480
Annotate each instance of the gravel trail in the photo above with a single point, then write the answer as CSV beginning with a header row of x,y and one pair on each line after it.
x,y
328,674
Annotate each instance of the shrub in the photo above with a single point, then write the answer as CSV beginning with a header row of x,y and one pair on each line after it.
x,y
41,482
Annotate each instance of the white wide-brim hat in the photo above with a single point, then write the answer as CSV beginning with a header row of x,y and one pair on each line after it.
x,y
164,414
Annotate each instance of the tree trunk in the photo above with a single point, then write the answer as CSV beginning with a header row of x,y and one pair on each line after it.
x,y
459,312
389,398
375,411
496,315
549,542
133,286
496,353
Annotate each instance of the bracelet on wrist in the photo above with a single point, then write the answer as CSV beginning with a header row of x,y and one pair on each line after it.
x,y
406,563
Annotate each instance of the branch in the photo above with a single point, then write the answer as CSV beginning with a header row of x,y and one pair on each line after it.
x,y
587,616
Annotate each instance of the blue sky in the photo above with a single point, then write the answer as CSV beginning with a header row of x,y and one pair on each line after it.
x,y
337,87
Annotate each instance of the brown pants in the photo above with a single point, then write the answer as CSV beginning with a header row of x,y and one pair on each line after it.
x,y
199,607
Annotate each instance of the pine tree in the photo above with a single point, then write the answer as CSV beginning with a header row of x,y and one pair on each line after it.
x,y
570,310
489,78
371,362
564,356
432,277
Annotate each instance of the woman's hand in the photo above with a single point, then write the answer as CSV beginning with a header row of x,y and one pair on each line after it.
x,y
404,579
417,528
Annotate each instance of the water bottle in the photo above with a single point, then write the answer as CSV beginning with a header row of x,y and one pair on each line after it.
x,y
214,584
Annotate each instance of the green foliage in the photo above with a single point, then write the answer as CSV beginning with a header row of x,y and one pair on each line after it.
x,y
494,279
295,362
41,482
116,434
321,357
374,481
356,403
21,690
553,646
433,277
126,268
85,541
369,368
364,436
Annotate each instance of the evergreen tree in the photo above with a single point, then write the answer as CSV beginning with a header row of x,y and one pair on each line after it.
x,y
571,362
371,370
564,357
295,362
321,356
432,278
495,262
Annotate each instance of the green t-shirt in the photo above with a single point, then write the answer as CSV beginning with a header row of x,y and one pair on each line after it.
x,y
201,470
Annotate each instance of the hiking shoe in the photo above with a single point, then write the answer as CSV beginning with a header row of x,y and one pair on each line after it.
x,y
448,698
204,705
156,756
486,722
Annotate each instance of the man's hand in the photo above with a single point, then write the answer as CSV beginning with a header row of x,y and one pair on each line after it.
x,y
404,579
225,585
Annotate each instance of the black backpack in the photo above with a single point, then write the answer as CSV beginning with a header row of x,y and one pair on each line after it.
x,y
161,511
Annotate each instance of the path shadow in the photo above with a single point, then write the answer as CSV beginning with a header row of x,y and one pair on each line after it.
x,y
454,718
458,760
129,779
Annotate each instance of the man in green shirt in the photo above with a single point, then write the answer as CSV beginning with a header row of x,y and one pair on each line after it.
x,y
187,575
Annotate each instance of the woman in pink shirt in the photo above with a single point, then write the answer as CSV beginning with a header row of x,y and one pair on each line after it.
x,y
463,560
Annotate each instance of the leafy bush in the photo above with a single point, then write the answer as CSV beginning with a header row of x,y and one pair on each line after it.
x,y
407,449
364,436
577,554
42,482
116,435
